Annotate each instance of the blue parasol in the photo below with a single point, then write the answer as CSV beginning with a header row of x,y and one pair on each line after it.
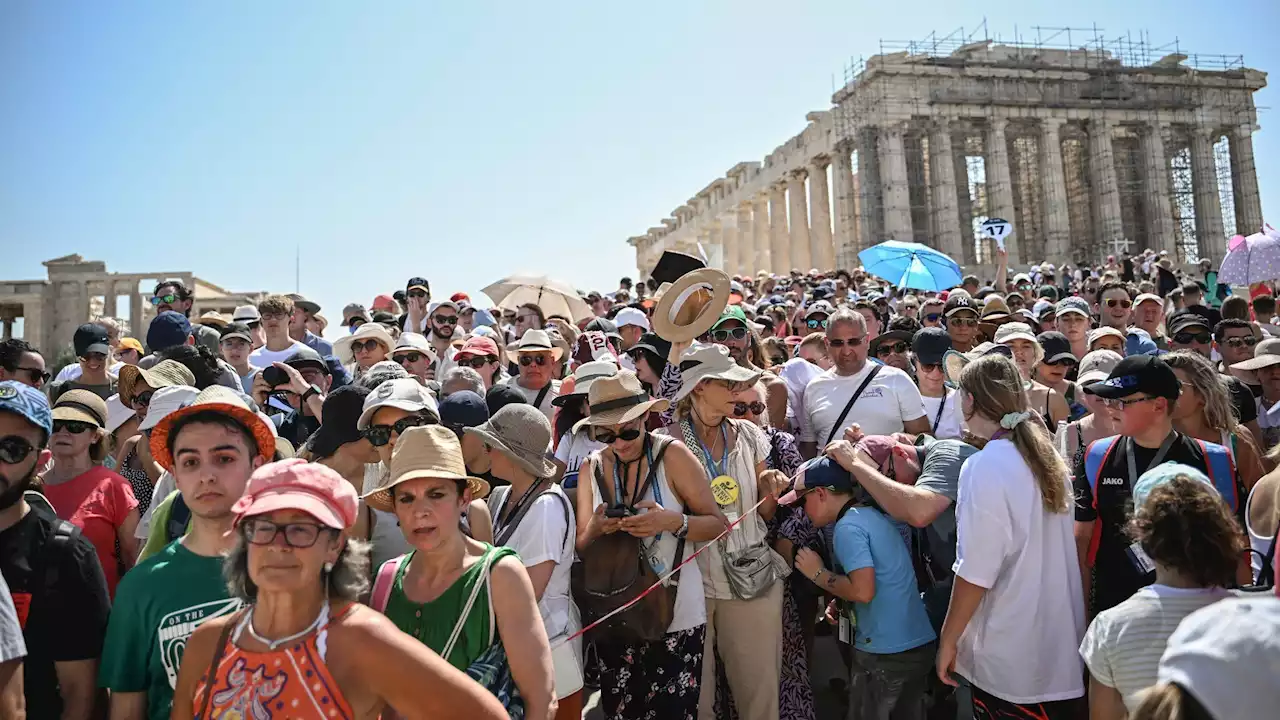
x,y
911,265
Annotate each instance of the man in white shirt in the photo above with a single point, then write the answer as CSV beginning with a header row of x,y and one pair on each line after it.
x,y
275,311
442,320
537,359
882,404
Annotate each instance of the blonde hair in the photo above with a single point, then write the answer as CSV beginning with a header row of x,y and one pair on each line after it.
x,y
1218,410
1167,701
997,389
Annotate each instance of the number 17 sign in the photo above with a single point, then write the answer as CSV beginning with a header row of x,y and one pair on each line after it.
x,y
997,229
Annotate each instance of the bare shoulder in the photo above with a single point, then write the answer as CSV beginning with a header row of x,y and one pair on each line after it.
x,y
508,573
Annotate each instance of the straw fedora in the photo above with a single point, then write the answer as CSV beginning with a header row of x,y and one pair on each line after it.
x,y
585,377
165,373
342,346
222,400
618,400
429,451
522,433
534,340
710,362
81,406
213,318
953,362
691,305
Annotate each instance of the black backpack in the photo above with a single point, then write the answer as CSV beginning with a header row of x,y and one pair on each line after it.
x,y
64,535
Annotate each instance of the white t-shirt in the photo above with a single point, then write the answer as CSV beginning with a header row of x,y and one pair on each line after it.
x,y
951,424
1123,645
1021,643
262,357
387,537
572,450
530,395
884,405
542,536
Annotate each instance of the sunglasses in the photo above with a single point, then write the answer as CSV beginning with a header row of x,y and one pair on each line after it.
x,y
721,335
446,319
899,348
365,345
933,317
1244,341
816,324
609,437
409,357
1118,404
740,409
164,299
1122,302
35,375
75,427
930,367
478,361
1023,286
417,293
258,531
143,398
14,449
963,321
539,360
379,435
851,342
1063,361
1186,338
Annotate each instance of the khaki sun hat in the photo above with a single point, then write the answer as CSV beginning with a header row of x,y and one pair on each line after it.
x,y
532,341
81,406
342,346
1266,354
953,361
222,400
1097,366
1014,331
618,400
165,373
691,305
522,433
213,318
428,451
710,362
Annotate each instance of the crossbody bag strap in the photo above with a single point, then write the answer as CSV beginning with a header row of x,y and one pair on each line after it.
x,y
223,638
542,395
466,610
857,394
512,523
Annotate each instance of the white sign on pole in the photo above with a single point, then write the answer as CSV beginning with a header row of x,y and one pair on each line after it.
x,y
997,229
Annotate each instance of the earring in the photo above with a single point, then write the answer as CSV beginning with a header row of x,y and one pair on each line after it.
x,y
328,568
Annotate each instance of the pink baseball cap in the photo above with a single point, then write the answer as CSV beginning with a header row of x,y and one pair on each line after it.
x,y
296,484
478,345
383,302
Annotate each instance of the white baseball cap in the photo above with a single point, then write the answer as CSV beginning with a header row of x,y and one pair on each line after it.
x,y
1225,655
167,400
405,393
633,317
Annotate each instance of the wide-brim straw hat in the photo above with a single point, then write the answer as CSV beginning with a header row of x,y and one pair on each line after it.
x,y
81,406
618,400
342,346
213,318
691,305
165,373
953,362
427,451
224,401
534,340
522,433
710,362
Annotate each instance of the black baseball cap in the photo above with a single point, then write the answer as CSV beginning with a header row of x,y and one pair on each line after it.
x,y
420,283
236,330
1146,374
91,338
959,303
930,344
1185,320
305,357
1056,347
340,412
654,344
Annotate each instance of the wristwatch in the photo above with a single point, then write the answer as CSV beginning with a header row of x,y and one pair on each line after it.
x,y
313,390
684,527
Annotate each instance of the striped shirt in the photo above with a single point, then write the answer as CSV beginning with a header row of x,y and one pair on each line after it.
x,y
1123,645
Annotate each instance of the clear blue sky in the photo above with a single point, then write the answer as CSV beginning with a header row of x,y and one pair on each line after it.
x,y
460,141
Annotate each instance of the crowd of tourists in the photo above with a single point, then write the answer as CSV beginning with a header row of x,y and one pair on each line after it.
x,y
1050,496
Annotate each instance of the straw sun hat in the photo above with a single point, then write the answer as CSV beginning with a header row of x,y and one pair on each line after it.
x,y
221,400
165,373
428,451
618,400
710,362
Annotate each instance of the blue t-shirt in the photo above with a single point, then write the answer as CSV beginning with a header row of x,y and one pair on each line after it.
x,y
895,620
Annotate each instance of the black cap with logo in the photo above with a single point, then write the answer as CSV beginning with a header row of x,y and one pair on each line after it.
x,y
1145,374
959,303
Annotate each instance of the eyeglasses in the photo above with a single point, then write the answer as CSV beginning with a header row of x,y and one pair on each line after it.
x,y
14,449
816,324
478,362
143,398
75,427
379,435
1119,404
1243,341
539,360
736,333
963,321
740,409
446,319
898,348
35,375
416,293
366,345
1122,302
409,357
933,317
526,318
257,531
164,299
851,342
1187,338
609,437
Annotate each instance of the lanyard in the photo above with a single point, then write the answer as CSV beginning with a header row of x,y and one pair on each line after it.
x,y
1133,464
620,477
515,511
941,406
716,470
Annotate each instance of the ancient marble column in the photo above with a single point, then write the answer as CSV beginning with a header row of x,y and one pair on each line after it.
x,y
109,299
999,184
33,328
799,219
1053,180
746,240
822,253
893,182
867,191
760,231
846,230
942,192
1106,185
709,239
729,239
779,252
135,313
1244,177
1211,236
1156,187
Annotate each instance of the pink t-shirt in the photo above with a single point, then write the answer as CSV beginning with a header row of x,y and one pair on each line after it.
x,y
96,501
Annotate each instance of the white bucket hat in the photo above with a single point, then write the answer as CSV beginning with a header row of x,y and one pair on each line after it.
x,y
710,362
165,401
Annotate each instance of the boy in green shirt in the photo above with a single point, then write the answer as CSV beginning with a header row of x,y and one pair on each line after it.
x,y
211,447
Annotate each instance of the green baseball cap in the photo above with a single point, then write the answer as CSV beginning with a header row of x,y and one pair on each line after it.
x,y
732,312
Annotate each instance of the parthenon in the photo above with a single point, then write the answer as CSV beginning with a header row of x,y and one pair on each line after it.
x,y
1086,150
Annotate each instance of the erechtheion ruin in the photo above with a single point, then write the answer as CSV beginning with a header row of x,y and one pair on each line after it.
x,y
1087,150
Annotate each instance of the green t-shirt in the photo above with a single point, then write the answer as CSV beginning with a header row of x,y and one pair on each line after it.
x,y
432,622
158,534
158,605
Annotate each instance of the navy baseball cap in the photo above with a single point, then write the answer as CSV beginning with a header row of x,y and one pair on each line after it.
x,y
930,344
819,472
168,329
1145,374
91,338
463,409
28,403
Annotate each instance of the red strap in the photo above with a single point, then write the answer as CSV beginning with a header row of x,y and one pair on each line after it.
x,y
382,584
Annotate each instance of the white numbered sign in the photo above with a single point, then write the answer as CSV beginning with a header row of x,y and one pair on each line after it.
x,y
997,229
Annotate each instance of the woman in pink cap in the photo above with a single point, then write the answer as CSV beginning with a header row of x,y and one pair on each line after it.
x,y
481,354
303,647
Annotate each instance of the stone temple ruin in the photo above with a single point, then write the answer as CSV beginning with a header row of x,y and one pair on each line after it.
x,y
1088,146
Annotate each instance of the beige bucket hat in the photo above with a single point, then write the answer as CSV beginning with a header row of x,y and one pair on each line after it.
x,y
710,362
428,451
522,433
618,400
534,340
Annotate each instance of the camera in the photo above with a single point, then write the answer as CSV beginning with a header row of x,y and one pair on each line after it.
x,y
274,376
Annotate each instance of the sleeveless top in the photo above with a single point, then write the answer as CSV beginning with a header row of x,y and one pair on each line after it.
x,y
138,480
1257,542
292,681
690,609
432,622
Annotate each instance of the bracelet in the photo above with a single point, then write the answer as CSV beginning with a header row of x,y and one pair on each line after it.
x,y
818,574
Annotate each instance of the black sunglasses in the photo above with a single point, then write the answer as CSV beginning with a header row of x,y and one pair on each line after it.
x,y
1186,338
446,319
736,333
143,398
608,437
740,409
75,427
539,360
1244,341
477,362
409,357
379,435
851,342
14,449
259,531
898,347
417,293
35,375
366,345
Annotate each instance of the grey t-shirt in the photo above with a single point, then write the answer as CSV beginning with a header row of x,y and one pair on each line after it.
x,y
12,645
940,473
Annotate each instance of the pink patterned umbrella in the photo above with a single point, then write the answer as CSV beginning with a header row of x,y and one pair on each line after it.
x,y
1252,259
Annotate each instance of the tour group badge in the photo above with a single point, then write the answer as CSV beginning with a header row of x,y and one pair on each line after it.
x,y
725,490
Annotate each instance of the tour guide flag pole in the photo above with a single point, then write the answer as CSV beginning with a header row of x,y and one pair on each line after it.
x,y
911,265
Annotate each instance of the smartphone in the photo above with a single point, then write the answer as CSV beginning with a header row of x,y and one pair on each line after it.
x,y
618,511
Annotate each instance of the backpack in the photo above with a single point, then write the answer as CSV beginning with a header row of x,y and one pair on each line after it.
x,y
1221,471
64,535
179,517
